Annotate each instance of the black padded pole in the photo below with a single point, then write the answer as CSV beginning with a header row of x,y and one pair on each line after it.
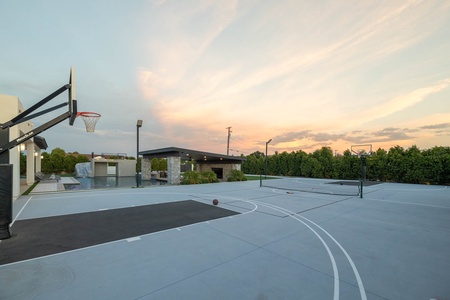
x,y
6,197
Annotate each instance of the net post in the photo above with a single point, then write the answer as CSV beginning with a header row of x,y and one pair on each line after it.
x,y
260,180
361,184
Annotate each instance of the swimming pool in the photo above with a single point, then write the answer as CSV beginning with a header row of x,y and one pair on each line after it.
x,y
110,182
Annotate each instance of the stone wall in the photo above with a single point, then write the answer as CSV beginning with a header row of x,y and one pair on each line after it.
x,y
173,170
227,168
146,169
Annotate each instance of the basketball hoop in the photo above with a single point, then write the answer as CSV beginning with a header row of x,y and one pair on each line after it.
x,y
362,151
90,119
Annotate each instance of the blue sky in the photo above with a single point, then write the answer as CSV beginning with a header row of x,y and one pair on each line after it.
x,y
305,74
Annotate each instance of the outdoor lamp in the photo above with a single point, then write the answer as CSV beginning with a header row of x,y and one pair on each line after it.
x,y
265,159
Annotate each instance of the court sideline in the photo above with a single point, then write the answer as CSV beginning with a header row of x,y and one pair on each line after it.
x,y
393,244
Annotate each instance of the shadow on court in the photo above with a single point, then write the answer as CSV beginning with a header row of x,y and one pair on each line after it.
x,y
50,235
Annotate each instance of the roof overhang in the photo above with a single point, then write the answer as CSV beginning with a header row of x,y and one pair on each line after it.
x,y
40,142
188,154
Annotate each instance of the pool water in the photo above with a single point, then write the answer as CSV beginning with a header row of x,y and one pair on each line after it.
x,y
110,182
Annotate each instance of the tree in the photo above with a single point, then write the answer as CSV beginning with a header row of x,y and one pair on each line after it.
x,y
436,165
159,164
57,160
395,164
69,163
377,165
23,163
282,164
254,163
399,165
311,167
348,166
257,154
414,165
46,164
325,158
82,158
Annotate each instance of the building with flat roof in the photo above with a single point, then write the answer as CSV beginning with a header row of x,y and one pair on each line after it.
x,y
11,107
220,164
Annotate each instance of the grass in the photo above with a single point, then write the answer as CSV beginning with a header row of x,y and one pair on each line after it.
x,y
30,189
67,175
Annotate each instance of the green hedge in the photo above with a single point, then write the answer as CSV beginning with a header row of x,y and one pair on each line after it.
x,y
237,175
410,165
193,177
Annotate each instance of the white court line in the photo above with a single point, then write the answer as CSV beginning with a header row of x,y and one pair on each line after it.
x,y
228,198
23,207
427,189
335,271
355,270
399,202
133,239
12,223
330,254
130,239
121,240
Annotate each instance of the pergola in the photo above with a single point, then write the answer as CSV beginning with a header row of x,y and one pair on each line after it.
x,y
221,164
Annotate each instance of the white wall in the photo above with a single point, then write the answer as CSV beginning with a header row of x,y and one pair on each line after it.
x,y
124,167
10,108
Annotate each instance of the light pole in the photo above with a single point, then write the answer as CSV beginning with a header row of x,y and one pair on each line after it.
x,y
265,160
138,125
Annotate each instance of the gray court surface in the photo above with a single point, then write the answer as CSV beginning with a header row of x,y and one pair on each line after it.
x,y
392,244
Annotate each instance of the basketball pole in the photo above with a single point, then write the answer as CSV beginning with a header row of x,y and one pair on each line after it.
x,y
6,183
364,167
138,125
363,173
361,183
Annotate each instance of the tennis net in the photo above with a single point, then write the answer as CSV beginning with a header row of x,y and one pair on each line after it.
x,y
320,186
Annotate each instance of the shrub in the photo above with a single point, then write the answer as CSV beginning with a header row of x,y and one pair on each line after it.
x,y
191,177
237,175
209,177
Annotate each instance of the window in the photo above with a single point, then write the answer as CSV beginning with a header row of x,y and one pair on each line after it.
x,y
219,172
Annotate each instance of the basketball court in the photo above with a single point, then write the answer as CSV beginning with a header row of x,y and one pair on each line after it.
x,y
290,238
171,242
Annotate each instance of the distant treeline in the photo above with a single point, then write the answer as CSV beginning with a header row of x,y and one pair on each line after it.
x,y
58,162
411,165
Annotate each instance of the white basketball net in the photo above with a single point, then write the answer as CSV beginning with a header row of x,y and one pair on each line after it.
x,y
90,119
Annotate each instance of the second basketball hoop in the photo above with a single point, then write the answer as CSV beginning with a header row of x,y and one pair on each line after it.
x,y
90,119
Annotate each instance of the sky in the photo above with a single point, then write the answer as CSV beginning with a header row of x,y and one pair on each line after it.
x,y
304,73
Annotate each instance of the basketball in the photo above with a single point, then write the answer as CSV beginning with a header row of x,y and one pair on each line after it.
x,y
215,201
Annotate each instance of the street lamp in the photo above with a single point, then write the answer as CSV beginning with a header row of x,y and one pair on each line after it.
x,y
138,125
265,160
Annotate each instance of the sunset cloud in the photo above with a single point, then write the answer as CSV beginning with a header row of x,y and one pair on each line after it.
x,y
304,74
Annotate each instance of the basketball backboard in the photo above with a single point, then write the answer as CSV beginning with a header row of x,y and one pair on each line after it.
x,y
361,150
72,97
